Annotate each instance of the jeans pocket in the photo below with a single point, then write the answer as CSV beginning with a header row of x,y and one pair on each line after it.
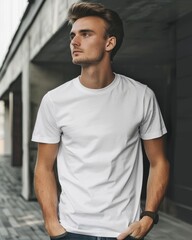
x,y
59,237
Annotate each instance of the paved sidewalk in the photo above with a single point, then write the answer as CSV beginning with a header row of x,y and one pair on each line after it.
x,y
20,219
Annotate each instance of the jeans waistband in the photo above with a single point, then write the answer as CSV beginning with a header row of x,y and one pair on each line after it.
x,y
76,236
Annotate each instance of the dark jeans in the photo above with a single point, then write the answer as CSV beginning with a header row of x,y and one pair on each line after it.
x,y
75,236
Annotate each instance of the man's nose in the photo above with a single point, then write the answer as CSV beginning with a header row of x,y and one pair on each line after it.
x,y
75,41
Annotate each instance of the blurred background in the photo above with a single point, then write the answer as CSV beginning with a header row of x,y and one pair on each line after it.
x,y
157,51
11,13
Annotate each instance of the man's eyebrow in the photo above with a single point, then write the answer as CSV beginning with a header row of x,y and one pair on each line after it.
x,y
86,30
82,31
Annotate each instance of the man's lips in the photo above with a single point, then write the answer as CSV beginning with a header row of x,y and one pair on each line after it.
x,y
76,51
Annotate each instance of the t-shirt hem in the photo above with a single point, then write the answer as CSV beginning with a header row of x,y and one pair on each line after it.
x,y
45,140
154,135
94,233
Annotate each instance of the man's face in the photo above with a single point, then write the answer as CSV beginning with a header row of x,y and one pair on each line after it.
x,y
88,40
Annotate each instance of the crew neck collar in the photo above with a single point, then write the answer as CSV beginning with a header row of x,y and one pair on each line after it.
x,y
109,87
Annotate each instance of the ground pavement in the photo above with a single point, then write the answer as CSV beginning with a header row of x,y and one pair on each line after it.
x,y
20,219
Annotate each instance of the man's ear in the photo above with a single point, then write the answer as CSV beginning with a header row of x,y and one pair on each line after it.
x,y
110,44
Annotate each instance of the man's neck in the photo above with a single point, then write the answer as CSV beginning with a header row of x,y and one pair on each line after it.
x,y
92,77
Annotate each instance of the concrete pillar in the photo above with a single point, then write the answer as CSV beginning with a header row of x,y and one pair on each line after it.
x,y
26,136
2,133
8,125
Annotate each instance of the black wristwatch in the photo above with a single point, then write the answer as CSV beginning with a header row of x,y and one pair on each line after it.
x,y
153,215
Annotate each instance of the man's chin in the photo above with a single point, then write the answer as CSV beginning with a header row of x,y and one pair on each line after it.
x,y
79,62
76,61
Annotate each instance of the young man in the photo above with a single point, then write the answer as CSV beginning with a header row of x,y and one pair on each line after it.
x,y
93,125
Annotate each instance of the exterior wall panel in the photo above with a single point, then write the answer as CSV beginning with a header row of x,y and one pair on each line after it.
x,y
182,163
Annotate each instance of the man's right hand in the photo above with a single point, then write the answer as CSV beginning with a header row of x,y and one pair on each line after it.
x,y
54,229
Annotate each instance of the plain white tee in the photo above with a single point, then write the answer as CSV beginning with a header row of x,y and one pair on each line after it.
x,y
100,162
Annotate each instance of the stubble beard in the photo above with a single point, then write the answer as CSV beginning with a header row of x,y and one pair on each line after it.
x,y
87,61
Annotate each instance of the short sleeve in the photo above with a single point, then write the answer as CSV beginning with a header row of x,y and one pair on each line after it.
x,y
46,129
152,125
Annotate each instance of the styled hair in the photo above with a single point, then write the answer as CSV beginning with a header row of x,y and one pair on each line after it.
x,y
114,22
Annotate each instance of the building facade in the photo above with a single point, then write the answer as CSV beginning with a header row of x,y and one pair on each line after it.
x,y
157,51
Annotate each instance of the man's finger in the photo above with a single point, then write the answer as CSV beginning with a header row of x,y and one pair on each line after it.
x,y
134,227
124,234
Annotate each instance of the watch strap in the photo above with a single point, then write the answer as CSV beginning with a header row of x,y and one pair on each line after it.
x,y
153,215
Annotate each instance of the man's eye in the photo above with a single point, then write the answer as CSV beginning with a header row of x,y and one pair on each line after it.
x,y
71,37
86,34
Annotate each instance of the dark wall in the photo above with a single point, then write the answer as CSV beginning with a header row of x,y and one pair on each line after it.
x,y
182,188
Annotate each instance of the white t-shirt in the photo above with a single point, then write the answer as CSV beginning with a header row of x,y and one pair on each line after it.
x,y
100,162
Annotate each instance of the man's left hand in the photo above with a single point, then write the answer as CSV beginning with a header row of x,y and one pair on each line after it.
x,y
137,229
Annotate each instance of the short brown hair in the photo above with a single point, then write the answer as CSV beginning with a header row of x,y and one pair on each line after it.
x,y
114,22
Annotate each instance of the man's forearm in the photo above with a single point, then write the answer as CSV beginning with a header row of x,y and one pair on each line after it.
x,y
157,185
46,187
46,192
